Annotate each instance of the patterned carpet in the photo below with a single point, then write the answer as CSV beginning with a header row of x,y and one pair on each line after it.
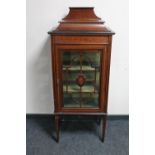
x,y
77,137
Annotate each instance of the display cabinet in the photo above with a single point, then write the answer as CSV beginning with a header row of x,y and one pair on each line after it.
x,y
81,50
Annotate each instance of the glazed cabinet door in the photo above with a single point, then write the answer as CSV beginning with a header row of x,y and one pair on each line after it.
x,y
80,72
81,76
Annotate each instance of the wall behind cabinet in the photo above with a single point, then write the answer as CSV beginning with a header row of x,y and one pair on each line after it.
x,y
42,15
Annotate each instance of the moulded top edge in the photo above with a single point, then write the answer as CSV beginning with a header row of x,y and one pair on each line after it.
x,y
81,7
56,32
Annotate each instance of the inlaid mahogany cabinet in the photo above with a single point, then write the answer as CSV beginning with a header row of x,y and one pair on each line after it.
x,y
80,52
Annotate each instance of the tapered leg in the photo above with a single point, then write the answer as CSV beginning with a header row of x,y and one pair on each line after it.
x,y
57,127
98,120
103,127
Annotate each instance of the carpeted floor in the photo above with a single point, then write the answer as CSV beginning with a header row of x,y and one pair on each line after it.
x,y
77,137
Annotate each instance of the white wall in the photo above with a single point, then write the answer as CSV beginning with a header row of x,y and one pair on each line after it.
x,y
42,15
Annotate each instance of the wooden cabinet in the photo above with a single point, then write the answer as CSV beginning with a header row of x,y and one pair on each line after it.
x,y
81,50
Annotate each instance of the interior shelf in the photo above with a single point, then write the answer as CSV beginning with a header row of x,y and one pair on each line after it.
x,y
74,88
70,105
86,100
77,68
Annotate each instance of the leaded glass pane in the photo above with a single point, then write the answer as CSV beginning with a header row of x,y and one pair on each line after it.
x,y
81,78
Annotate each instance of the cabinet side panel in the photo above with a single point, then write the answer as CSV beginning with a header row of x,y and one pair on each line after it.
x,y
107,72
54,68
103,79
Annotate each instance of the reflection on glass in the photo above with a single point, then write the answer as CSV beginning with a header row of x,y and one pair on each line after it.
x,y
81,78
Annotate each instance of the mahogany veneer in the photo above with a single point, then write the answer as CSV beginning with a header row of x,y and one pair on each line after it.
x,y
81,51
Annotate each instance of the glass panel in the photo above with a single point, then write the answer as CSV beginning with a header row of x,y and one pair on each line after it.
x,y
81,78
